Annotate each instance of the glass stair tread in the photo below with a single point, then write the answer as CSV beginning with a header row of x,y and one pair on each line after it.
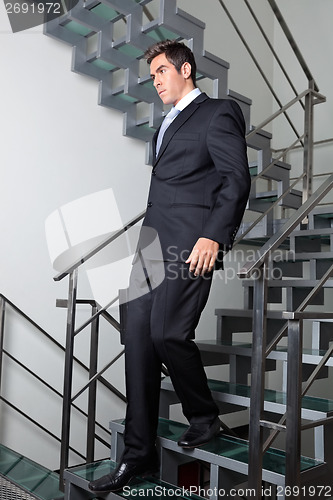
x,y
271,396
310,233
247,313
240,394
320,255
138,487
77,28
265,196
105,12
291,283
29,475
49,488
223,447
8,459
309,356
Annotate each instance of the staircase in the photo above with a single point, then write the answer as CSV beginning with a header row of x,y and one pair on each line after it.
x,y
20,475
109,39
227,457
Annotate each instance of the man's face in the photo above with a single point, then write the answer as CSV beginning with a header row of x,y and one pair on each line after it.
x,y
170,85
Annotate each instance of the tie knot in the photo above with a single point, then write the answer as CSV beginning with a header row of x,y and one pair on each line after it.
x,y
172,113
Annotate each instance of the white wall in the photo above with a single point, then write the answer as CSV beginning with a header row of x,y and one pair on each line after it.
x,y
310,23
57,145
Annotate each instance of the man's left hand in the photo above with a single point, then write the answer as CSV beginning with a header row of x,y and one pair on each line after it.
x,y
203,256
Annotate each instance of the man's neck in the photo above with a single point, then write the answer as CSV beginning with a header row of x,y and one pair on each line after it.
x,y
188,98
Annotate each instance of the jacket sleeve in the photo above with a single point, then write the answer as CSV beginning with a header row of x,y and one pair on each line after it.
x,y
227,148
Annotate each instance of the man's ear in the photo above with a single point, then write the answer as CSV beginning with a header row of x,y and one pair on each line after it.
x,y
186,70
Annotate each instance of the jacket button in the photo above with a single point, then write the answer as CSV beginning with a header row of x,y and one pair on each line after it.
x,y
149,204
153,173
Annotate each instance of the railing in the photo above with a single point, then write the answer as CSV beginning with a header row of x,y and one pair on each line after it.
x,y
71,332
260,350
310,96
5,303
306,173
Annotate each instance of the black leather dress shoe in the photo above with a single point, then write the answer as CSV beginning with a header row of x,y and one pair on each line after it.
x,y
199,434
123,475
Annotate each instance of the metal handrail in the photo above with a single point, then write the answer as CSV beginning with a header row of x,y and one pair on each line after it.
x,y
72,269
100,311
270,208
281,334
254,59
85,257
60,346
300,308
109,239
270,45
97,375
315,143
5,301
307,386
292,42
259,268
275,241
37,424
31,321
279,112
51,388
273,162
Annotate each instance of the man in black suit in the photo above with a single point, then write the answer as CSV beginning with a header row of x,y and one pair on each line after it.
x,y
199,189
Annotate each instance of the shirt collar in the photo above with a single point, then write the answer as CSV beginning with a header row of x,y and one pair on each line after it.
x,y
187,99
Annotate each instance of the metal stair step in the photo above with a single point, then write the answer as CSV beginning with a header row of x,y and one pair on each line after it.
x,y
262,231
309,356
225,451
244,313
79,477
290,283
309,233
275,401
266,196
279,171
260,140
261,201
305,256
28,475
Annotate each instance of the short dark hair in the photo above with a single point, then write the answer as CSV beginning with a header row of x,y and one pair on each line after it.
x,y
177,53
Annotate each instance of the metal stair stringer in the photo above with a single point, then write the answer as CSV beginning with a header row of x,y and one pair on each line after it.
x,y
89,27
113,56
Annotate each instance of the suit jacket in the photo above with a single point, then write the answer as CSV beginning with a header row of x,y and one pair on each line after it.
x,y
200,179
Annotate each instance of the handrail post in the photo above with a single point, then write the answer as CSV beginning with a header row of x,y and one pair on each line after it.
x,y
258,378
308,144
294,397
68,375
2,333
92,387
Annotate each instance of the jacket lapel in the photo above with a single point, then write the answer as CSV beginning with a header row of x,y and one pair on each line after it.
x,y
154,141
176,124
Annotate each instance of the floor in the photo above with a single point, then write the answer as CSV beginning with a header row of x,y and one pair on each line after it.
x,y
9,491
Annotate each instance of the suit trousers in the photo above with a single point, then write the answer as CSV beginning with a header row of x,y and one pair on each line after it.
x,y
162,315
